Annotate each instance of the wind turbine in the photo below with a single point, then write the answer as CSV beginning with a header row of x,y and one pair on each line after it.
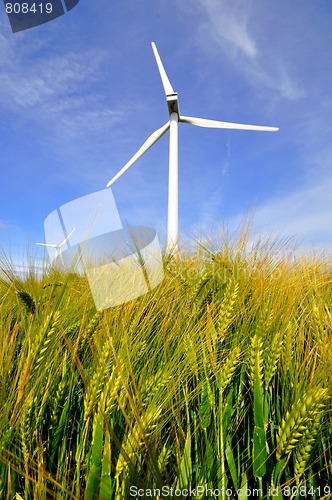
x,y
174,118
58,246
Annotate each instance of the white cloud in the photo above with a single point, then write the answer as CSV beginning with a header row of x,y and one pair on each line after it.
x,y
229,26
53,82
304,214
277,78
6,225
54,91
60,98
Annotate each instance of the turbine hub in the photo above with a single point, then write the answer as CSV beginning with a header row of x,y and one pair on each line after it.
x,y
173,103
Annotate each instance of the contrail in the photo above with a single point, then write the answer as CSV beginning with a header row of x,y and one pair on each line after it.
x,y
227,160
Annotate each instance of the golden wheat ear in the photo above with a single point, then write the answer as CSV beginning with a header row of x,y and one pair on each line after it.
x,y
299,420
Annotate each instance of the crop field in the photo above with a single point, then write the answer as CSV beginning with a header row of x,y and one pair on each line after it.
x,y
215,384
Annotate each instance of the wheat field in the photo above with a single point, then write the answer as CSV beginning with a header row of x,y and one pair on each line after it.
x,y
216,384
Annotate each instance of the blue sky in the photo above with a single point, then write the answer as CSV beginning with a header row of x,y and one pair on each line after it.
x,y
79,96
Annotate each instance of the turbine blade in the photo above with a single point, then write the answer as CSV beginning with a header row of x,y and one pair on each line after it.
x,y
147,145
164,78
203,122
67,238
46,245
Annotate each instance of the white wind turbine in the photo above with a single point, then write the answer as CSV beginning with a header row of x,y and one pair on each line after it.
x,y
172,124
58,246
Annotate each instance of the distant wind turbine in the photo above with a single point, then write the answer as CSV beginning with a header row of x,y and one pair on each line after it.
x,y
172,124
58,246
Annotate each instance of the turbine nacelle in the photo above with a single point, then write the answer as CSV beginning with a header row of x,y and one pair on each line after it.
x,y
173,103
58,246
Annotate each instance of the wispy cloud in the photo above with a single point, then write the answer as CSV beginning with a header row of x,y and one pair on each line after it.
x,y
61,98
227,22
6,225
277,78
230,27
53,86
305,214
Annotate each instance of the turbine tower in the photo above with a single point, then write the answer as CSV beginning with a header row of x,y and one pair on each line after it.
x,y
57,247
172,124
